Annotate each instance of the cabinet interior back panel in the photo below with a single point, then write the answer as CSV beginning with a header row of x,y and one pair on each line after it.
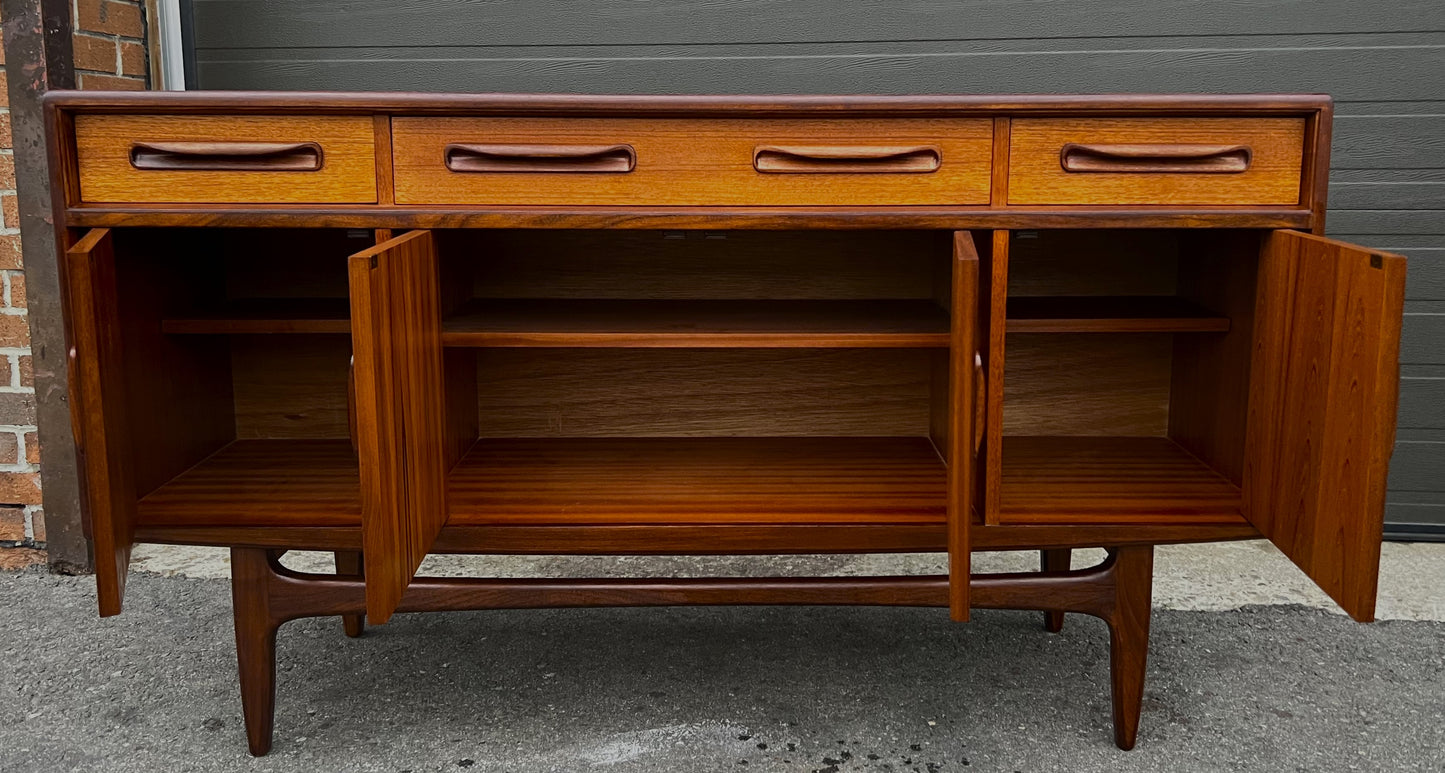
x,y
295,390
700,264
697,392
1087,384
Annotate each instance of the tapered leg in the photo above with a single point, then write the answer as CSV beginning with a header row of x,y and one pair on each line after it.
x,y
255,644
348,562
1054,561
1129,638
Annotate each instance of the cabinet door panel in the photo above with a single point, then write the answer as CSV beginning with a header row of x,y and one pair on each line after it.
x,y
399,413
102,432
1321,426
962,451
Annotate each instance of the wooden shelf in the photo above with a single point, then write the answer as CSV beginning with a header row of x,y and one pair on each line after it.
x,y
707,480
267,316
1111,480
262,483
713,480
698,323
1093,314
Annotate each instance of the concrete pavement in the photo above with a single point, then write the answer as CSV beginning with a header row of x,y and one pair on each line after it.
x,y
1263,687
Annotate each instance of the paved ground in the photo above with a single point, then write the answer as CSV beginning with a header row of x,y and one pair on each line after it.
x,y
1276,688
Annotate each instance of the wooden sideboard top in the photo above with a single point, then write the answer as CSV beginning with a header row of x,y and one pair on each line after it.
x,y
696,105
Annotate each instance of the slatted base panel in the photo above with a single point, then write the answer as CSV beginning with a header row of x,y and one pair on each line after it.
x,y
263,483
1112,480
699,480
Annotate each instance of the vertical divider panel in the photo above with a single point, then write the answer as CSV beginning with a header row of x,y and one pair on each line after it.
x,y
962,452
997,328
102,429
396,334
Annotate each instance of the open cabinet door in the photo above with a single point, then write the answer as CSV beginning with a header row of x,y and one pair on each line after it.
x,y
962,446
102,433
400,421
1321,429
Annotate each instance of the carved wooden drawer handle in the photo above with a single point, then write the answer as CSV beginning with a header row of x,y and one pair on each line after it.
x,y
1194,159
840,159
606,159
227,156
980,400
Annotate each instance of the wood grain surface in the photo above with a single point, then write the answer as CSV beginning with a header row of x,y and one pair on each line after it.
x,y
697,392
263,483
1087,384
699,480
101,423
396,330
1111,480
697,324
347,173
1322,401
1276,147
692,162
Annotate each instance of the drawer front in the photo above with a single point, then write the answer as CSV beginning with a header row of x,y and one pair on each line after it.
x,y
681,162
1206,161
226,159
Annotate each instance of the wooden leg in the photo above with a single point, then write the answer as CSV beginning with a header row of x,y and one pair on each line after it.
x,y
1129,638
255,644
1118,591
348,562
1054,561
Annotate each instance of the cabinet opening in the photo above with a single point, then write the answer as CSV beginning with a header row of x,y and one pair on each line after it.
x,y
230,424
712,289
1125,399
696,377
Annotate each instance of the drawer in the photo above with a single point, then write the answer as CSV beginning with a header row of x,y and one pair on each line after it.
x,y
226,159
691,162
1242,161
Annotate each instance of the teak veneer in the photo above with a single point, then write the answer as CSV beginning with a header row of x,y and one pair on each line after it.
x,y
392,325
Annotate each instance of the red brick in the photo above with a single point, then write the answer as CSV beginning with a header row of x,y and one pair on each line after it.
x,y
20,488
12,524
10,251
6,141
10,209
14,331
13,559
5,378
95,82
92,53
9,448
4,89
132,58
17,290
37,524
111,18
7,173
27,370
32,448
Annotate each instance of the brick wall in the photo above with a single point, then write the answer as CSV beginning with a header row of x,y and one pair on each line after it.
x,y
110,49
109,53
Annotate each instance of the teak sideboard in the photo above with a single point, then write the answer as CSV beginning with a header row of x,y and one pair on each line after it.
x,y
389,325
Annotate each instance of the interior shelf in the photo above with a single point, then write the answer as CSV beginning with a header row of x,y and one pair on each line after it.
x,y
262,483
699,480
266,316
1110,479
707,480
698,323
1096,314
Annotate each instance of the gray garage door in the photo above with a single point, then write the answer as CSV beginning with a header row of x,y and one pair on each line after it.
x,y
1384,62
